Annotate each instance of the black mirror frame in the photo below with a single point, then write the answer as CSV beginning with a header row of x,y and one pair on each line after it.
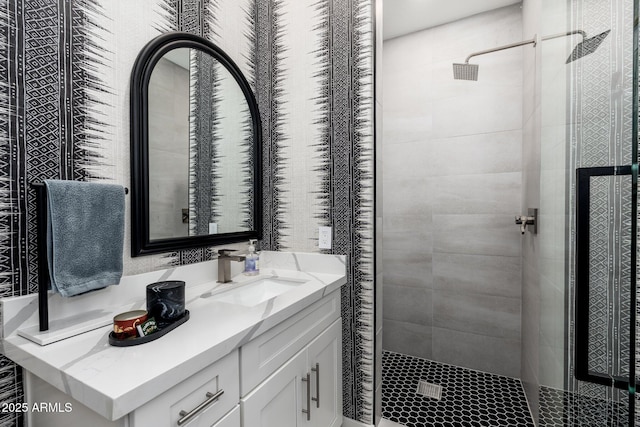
x,y
141,244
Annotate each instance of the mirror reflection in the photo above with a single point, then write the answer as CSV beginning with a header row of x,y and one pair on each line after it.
x,y
200,148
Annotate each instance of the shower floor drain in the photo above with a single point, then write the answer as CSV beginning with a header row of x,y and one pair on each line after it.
x,y
426,389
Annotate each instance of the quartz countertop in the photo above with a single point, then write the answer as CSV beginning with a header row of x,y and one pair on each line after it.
x,y
114,381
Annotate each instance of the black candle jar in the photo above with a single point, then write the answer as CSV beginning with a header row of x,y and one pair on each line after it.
x,y
165,301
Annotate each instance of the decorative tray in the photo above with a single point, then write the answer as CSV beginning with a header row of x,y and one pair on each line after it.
x,y
127,342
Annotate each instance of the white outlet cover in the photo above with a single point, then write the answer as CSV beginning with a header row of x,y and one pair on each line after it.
x,y
324,237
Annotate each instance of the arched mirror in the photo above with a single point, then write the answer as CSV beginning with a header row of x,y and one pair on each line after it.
x,y
195,148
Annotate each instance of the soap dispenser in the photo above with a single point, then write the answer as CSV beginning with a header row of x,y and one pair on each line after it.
x,y
251,267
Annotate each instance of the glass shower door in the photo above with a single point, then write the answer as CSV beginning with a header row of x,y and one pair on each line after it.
x,y
604,292
588,213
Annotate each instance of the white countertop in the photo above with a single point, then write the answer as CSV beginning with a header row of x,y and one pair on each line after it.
x,y
114,381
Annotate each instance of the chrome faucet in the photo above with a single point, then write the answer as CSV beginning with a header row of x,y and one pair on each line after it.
x,y
224,264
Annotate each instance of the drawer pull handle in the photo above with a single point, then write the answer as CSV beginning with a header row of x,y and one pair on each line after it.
x,y
308,410
317,398
186,416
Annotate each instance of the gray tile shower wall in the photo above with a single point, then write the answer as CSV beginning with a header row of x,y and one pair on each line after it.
x,y
67,117
452,162
531,21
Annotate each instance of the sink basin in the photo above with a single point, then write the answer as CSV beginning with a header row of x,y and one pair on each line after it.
x,y
254,293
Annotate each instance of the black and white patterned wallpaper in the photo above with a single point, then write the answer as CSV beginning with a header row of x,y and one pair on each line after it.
x,y
64,72
602,105
205,138
51,126
336,178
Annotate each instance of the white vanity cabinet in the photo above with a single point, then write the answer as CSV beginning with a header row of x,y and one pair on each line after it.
x,y
325,359
294,371
199,401
266,382
305,391
207,398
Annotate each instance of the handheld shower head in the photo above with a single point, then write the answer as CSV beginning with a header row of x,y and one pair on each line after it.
x,y
587,46
465,71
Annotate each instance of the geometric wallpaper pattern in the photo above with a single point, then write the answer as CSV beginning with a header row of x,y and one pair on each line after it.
x,y
602,106
204,143
51,127
64,70
333,150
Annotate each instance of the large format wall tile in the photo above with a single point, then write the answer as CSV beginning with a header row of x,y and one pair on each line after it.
x,y
407,250
406,304
402,126
407,196
476,154
552,371
481,352
477,314
406,268
494,193
408,233
410,159
478,111
480,234
407,338
482,274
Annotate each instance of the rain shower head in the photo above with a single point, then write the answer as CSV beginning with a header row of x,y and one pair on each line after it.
x,y
465,71
587,46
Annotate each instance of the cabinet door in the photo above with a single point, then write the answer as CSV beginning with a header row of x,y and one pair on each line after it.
x,y
325,361
279,400
263,355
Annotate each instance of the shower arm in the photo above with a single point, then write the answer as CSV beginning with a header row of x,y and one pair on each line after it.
x,y
568,33
533,41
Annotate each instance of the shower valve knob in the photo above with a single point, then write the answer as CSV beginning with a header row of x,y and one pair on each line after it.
x,y
524,220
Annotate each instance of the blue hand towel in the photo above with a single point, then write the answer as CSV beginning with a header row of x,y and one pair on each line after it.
x,y
85,235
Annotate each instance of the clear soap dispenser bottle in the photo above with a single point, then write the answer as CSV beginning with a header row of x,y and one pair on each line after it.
x,y
251,267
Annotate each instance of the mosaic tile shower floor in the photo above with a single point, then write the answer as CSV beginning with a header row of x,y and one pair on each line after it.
x,y
469,398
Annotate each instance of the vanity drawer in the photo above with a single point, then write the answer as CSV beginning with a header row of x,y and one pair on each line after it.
x,y
265,354
191,396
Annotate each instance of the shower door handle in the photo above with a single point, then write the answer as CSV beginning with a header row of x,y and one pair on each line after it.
x,y
582,283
